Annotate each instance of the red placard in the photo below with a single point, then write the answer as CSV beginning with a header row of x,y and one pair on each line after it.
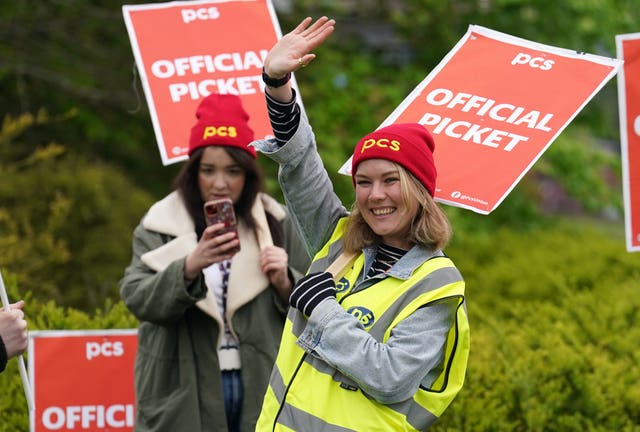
x,y
494,105
82,380
185,50
628,47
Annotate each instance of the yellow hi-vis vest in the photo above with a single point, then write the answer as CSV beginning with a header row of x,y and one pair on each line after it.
x,y
307,394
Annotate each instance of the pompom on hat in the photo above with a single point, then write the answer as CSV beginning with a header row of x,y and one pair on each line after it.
x,y
221,121
407,144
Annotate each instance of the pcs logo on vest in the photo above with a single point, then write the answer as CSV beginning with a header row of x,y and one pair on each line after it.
x,y
364,315
342,285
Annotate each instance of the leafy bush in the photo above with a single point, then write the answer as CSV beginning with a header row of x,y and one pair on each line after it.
x,y
555,320
65,221
555,317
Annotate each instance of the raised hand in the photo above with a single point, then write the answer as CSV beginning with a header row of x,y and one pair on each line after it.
x,y
293,50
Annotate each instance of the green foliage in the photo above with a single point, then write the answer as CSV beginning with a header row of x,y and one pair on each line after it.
x,y
586,170
573,24
553,305
554,325
554,314
65,222
381,50
76,56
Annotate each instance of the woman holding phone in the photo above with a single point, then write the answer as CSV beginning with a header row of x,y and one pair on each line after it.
x,y
211,301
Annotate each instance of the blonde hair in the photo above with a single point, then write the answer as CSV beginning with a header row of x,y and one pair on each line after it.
x,y
430,227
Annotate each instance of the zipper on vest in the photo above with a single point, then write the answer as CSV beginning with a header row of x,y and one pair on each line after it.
x,y
284,396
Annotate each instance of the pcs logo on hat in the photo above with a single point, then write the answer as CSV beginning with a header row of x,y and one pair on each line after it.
x,y
407,144
391,144
222,131
222,120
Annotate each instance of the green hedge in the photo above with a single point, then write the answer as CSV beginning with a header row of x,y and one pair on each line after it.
x,y
555,317
554,314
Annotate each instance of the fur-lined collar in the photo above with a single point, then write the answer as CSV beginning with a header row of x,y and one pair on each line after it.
x,y
169,216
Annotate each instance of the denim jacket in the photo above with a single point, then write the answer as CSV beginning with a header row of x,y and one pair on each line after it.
x,y
389,372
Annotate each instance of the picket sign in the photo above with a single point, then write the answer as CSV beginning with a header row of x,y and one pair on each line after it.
x,y
494,104
83,380
628,50
204,47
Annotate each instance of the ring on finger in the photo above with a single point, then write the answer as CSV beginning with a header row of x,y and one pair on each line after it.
x,y
301,63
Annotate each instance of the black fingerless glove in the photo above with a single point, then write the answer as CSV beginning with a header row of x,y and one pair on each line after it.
x,y
312,289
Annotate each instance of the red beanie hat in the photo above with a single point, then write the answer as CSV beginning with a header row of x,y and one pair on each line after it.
x,y
407,144
221,121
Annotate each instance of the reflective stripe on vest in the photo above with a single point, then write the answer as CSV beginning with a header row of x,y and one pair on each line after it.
x,y
307,394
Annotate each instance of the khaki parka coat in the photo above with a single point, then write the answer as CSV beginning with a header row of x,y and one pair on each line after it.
x,y
177,376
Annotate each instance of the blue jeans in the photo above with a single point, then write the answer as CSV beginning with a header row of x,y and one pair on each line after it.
x,y
233,395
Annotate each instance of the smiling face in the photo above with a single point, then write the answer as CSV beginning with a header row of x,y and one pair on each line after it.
x,y
379,199
219,175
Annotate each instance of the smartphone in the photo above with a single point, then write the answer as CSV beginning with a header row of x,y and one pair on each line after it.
x,y
221,210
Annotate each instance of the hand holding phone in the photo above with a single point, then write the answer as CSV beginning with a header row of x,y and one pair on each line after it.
x,y
221,210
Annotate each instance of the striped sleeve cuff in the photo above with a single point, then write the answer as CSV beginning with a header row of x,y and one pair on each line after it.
x,y
284,117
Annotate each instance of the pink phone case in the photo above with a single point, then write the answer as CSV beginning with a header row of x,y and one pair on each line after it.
x,y
221,210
